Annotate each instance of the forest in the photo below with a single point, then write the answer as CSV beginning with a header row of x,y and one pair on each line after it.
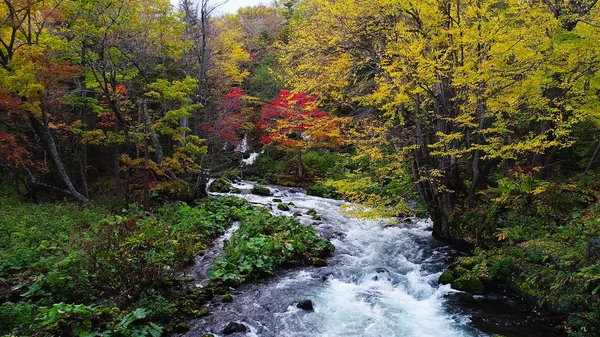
x,y
127,125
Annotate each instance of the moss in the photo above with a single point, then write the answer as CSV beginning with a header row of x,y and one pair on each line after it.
x,y
283,207
182,327
261,190
227,298
221,185
459,271
468,283
446,277
469,263
202,312
312,212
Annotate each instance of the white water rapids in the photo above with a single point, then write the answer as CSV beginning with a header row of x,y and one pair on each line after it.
x,y
380,282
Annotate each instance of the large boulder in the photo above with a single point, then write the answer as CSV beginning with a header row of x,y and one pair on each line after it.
x,y
446,277
234,327
468,283
306,305
221,185
261,190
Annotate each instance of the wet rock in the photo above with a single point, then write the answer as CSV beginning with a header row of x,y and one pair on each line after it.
x,y
283,207
381,270
208,335
593,249
221,185
319,262
227,298
202,312
468,283
297,214
446,277
234,327
277,200
291,204
306,305
261,190
182,327
313,212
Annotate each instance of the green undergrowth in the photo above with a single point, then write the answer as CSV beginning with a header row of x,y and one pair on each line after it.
x,y
107,270
265,242
533,238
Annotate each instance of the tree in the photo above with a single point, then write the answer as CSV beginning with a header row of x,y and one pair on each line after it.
x,y
463,87
293,122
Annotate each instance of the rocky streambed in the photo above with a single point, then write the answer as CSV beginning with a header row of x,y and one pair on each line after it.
x,y
381,281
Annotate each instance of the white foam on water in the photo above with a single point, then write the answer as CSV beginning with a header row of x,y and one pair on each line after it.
x,y
380,282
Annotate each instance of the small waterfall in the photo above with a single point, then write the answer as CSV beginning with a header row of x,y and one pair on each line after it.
x,y
243,146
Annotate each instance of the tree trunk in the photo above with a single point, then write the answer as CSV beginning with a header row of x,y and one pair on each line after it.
x,y
42,130
300,165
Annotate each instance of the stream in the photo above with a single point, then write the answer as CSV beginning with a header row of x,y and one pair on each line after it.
x,y
381,281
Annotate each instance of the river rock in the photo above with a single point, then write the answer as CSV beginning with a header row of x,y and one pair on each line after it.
x,y
261,190
319,262
221,185
593,249
468,283
234,327
283,207
446,277
227,298
306,305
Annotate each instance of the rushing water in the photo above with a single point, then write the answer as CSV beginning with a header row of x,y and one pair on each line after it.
x,y
380,282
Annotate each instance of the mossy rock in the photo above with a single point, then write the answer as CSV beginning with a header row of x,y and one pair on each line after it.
x,y
227,298
459,271
182,327
221,185
446,277
468,263
291,203
313,212
208,335
283,207
297,214
202,312
277,200
261,190
468,283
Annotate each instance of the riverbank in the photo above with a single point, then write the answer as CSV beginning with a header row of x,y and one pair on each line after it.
x,y
113,269
381,280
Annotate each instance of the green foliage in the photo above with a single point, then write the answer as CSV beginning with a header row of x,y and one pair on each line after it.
x,y
17,318
87,255
501,268
265,242
322,190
